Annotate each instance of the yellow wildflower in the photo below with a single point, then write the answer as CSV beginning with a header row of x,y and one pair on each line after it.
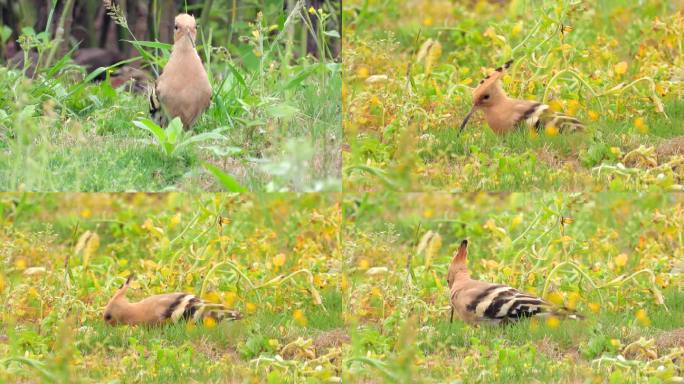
x,y
362,72
517,28
555,106
211,297
209,322
640,125
642,317
620,68
573,297
299,317
555,298
229,299
175,220
551,130
572,107
594,307
552,322
593,115
279,260
20,264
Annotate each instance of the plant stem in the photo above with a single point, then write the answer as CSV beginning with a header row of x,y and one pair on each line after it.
x,y
59,32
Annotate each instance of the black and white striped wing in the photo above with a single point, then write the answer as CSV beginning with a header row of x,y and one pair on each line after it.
x,y
184,306
500,303
189,307
539,116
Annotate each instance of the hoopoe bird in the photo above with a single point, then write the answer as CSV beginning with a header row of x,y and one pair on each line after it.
x,y
183,88
158,309
478,302
504,114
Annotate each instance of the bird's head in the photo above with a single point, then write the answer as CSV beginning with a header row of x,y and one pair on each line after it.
x,y
114,309
488,92
185,26
458,267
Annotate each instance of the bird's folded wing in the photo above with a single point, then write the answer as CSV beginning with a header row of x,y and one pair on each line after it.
x,y
499,302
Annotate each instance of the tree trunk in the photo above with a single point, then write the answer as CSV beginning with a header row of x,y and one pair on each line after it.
x,y
140,25
168,13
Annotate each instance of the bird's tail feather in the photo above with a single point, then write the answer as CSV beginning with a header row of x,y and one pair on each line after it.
x,y
563,313
564,123
218,312
225,314
540,117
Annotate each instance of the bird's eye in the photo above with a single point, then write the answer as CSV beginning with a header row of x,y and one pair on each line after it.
x,y
108,317
175,27
486,97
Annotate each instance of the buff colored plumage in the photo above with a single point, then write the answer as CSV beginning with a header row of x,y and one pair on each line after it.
x,y
158,309
504,114
183,89
479,302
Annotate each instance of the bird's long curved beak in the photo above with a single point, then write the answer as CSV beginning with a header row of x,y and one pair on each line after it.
x,y
465,121
187,34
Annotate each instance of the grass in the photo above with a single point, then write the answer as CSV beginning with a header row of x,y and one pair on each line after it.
x,y
54,291
621,79
398,246
274,120
341,287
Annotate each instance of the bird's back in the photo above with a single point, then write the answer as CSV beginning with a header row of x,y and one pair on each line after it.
x,y
179,305
167,306
511,114
539,116
481,302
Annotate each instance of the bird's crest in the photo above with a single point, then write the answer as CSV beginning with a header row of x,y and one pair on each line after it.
x,y
458,267
124,287
461,254
490,80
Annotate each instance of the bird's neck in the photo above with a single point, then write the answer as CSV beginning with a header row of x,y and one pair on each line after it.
x,y
183,46
460,280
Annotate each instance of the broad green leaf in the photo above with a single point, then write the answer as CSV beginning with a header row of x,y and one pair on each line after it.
x,y
151,44
174,131
156,130
303,75
213,135
5,33
228,182
282,111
